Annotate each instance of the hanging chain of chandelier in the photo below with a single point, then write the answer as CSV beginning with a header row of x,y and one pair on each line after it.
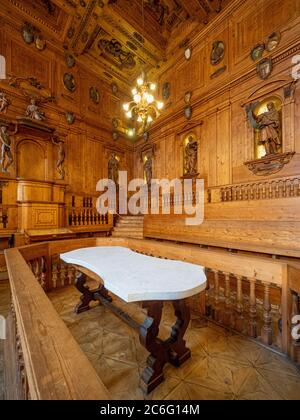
x,y
144,108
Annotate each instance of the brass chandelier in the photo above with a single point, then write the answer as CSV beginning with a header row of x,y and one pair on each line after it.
x,y
144,107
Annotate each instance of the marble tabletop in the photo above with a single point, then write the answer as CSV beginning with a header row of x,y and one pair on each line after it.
x,y
134,277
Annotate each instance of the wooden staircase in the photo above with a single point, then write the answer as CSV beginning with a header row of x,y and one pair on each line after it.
x,y
129,227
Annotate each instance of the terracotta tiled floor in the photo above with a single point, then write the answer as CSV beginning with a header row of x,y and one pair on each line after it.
x,y
224,366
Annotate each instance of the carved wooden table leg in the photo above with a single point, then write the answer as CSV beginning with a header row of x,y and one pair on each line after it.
x,y
173,350
178,352
88,295
153,374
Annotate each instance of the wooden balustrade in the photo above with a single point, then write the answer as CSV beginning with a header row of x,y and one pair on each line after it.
x,y
86,217
42,359
270,189
247,293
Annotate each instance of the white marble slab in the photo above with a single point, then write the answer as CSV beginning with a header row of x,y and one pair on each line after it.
x,y
134,277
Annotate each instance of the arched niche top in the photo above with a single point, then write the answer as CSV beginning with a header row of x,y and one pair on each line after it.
x,y
2,67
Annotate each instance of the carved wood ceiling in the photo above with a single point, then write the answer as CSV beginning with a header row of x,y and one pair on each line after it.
x,y
110,36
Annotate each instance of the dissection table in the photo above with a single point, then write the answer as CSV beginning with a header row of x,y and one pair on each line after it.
x,y
134,277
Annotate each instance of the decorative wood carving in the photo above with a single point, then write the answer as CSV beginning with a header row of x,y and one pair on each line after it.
x,y
270,164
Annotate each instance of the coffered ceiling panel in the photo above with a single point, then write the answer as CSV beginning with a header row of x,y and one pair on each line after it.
x,y
118,38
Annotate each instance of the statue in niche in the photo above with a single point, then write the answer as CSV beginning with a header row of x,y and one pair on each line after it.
x,y
269,125
191,157
4,102
113,168
148,165
61,155
6,153
33,111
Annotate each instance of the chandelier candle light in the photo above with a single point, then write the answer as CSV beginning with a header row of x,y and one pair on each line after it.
x,y
144,107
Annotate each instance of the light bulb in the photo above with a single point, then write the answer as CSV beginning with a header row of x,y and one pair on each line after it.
x,y
130,132
134,91
149,119
150,99
137,98
126,107
160,105
129,114
140,81
140,119
152,86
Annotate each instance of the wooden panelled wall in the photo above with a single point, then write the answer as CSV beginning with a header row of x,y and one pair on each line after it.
x,y
226,140
88,142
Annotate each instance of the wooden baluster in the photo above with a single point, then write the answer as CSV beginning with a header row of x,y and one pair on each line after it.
x,y
234,194
239,322
292,188
252,331
298,188
277,190
270,190
54,272
222,198
264,195
216,309
71,273
246,192
240,193
228,312
207,295
73,218
284,189
63,274
295,345
43,276
267,331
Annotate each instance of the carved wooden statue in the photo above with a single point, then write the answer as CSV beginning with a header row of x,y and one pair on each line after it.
x,y
148,168
113,168
270,129
60,157
191,157
6,153
4,102
33,111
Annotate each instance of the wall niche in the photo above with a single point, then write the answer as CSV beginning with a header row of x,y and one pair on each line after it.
x,y
31,160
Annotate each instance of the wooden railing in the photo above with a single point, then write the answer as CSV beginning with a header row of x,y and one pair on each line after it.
x,y
262,190
81,217
244,293
42,359
253,295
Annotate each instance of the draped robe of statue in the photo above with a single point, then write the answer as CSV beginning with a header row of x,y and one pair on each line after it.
x,y
113,169
269,126
148,169
191,157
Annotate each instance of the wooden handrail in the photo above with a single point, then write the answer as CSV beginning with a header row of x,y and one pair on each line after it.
x,y
56,368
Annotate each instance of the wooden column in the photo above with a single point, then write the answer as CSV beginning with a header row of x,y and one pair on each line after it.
x,y
239,322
